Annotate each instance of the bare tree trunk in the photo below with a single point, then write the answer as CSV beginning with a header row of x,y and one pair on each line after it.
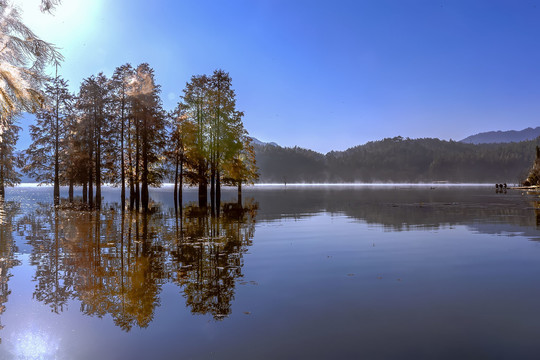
x,y
203,181
240,193
90,189
181,183
131,192
70,193
218,191
175,192
203,188
56,177
144,185
212,190
122,164
2,186
90,171
98,171
137,196
203,196
85,192
144,180
130,160
137,189
56,153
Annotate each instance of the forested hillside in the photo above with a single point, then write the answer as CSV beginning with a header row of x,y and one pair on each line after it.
x,y
399,160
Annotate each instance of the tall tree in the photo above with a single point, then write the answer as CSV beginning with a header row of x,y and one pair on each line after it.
x,y
9,159
150,121
211,104
197,100
181,148
121,80
94,100
49,136
223,111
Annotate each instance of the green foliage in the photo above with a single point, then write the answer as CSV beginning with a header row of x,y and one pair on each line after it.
x,y
9,159
118,132
399,160
219,148
50,134
242,168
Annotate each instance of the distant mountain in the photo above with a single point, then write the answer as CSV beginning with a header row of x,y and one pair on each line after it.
x,y
262,143
503,136
399,160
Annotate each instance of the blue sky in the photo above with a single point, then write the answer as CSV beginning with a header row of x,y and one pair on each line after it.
x,y
325,75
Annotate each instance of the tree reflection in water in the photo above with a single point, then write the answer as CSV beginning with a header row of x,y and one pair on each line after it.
x,y
209,251
8,211
116,262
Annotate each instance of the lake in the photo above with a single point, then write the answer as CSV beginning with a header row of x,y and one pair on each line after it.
x,y
296,272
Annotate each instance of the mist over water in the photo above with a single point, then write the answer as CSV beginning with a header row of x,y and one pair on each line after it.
x,y
328,271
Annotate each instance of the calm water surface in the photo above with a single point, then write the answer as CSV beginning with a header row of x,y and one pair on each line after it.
x,y
387,272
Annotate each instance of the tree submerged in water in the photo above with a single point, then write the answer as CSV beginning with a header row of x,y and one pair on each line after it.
x,y
116,131
221,150
47,155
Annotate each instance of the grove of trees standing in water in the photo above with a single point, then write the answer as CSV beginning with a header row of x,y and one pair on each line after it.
x,y
116,131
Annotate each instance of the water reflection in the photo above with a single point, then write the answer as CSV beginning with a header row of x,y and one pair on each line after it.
x,y
452,283
408,208
209,256
8,249
116,263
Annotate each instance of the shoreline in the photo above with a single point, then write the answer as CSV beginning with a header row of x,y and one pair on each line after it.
x,y
434,184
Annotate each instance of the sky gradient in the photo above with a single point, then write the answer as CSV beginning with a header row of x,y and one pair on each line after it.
x,y
324,75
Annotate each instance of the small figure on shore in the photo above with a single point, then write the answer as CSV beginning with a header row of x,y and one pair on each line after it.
x,y
501,188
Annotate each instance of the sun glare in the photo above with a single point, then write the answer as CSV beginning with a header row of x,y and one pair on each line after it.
x,y
67,21
35,345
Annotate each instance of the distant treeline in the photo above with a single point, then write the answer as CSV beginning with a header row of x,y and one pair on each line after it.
x,y
399,160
